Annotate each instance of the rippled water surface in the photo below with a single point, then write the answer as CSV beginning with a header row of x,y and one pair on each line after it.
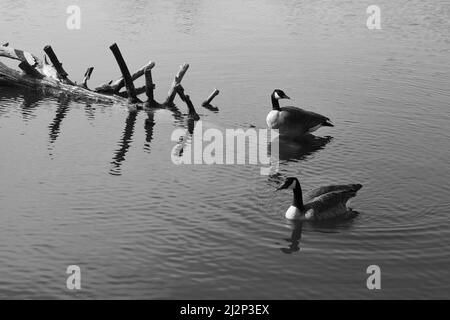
x,y
94,185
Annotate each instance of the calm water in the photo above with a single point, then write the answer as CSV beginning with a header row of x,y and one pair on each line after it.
x,y
94,185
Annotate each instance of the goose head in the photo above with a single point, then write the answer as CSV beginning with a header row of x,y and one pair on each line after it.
x,y
279,94
290,183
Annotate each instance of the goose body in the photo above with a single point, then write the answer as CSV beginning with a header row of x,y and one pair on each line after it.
x,y
291,121
319,204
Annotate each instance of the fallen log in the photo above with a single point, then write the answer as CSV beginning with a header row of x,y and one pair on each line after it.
x,y
43,77
51,78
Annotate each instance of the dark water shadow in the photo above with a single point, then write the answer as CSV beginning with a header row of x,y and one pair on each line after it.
x,y
61,112
149,127
89,111
28,106
211,108
32,100
124,143
181,119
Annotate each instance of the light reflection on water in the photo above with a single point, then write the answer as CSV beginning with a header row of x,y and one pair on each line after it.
x,y
94,185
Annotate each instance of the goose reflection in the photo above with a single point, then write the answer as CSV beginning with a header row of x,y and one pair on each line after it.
x,y
294,240
336,225
299,150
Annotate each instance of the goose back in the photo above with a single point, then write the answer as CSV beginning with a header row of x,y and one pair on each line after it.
x,y
296,121
326,189
330,205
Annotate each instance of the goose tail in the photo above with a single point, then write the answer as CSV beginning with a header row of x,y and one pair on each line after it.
x,y
327,123
354,188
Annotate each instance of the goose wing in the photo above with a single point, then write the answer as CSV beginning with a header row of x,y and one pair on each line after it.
x,y
331,205
326,189
296,117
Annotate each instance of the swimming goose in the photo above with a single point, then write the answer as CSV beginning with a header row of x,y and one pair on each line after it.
x,y
291,121
321,203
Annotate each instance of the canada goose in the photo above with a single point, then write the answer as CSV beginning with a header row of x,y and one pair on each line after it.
x,y
321,203
291,121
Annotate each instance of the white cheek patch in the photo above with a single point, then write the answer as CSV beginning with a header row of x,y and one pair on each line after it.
x,y
277,96
293,185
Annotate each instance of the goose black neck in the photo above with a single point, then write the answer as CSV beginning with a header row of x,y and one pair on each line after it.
x,y
298,197
275,104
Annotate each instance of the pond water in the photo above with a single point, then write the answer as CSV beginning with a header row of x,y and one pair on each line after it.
x,y
94,185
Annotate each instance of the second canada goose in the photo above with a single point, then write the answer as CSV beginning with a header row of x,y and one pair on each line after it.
x,y
291,121
321,203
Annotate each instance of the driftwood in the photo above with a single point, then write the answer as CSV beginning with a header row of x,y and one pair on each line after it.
x,y
131,90
113,87
149,87
192,113
176,81
208,101
60,72
40,75
87,76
